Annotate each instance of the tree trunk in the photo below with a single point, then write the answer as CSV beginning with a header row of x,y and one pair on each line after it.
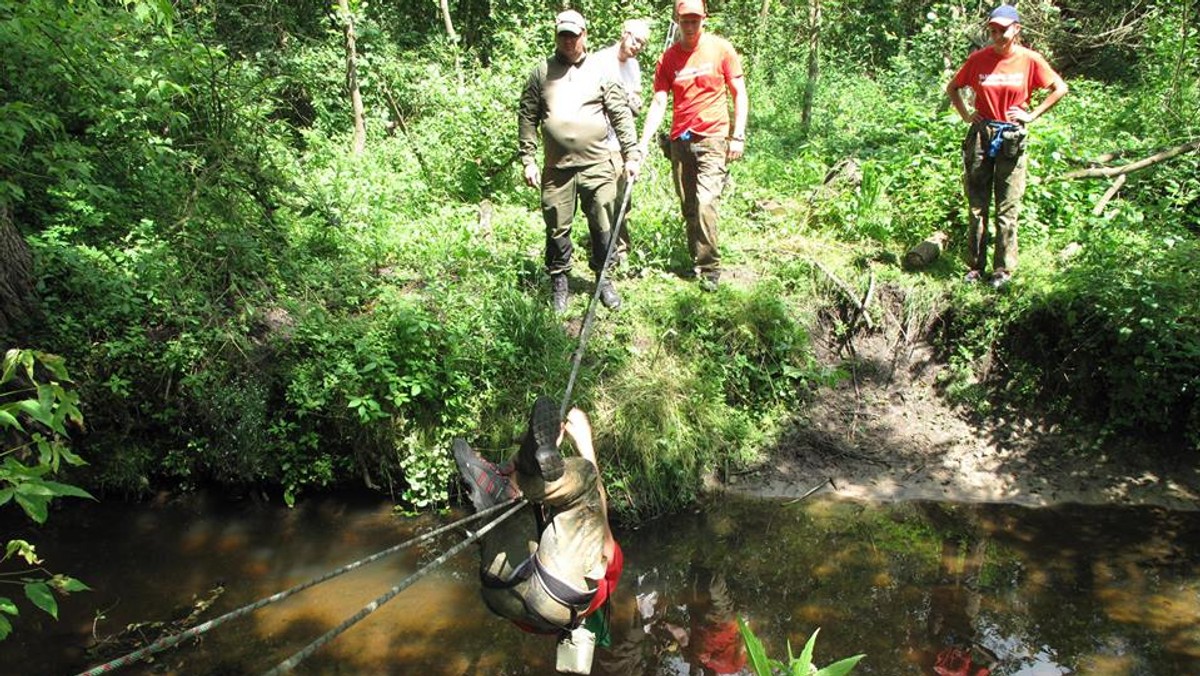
x,y
16,276
762,33
814,63
356,104
445,6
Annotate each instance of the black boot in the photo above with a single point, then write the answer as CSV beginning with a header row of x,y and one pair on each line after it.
x,y
538,455
559,293
608,295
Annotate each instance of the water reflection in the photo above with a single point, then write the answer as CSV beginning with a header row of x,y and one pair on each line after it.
x,y
921,588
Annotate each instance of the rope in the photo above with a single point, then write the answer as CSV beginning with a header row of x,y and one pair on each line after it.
x,y
176,639
290,663
171,641
591,308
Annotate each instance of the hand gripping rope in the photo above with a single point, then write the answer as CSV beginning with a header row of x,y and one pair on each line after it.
x,y
176,639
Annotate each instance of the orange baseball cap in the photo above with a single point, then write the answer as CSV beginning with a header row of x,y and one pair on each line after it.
x,y
685,7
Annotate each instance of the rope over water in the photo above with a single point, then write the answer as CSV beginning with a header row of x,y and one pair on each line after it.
x,y
291,662
175,639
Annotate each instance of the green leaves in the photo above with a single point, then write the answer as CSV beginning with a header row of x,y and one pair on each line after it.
x,y
41,420
796,666
42,597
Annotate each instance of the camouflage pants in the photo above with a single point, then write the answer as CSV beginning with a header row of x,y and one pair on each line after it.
x,y
987,180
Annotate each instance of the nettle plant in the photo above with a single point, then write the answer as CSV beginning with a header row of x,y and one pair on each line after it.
x,y
36,405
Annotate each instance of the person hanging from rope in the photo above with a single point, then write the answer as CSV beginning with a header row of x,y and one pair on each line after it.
x,y
552,579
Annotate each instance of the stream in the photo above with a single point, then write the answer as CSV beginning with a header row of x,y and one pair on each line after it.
x,y
1067,590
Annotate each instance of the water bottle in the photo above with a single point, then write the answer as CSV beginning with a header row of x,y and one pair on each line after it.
x,y
575,650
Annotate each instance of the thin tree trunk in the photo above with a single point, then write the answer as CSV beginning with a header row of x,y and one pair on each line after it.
x,y
16,275
445,5
814,63
356,104
762,32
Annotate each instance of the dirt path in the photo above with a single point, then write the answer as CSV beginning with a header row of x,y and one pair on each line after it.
x,y
887,434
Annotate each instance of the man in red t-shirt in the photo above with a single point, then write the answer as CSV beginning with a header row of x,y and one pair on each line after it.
x,y
700,72
1002,76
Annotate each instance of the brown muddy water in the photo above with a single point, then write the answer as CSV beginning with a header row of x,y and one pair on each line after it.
x,y
1071,590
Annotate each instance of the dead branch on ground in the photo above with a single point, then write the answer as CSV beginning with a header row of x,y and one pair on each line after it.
x,y
1110,172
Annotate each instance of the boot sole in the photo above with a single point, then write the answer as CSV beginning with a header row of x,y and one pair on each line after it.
x,y
545,424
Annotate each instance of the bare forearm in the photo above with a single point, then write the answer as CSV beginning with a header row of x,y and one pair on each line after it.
x,y
658,108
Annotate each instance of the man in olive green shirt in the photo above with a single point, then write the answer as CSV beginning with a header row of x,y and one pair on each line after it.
x,y
574,107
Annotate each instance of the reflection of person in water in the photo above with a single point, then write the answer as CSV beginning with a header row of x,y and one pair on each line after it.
x,y
714,643
703,641
954,604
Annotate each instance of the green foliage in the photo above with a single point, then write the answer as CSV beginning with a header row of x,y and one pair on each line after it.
x,y
36,407
766,351
256,304
795,666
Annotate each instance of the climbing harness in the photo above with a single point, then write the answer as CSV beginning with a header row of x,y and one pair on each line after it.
x,y
175,639
615,235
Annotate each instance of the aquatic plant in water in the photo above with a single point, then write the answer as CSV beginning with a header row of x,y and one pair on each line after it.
x,y
795,666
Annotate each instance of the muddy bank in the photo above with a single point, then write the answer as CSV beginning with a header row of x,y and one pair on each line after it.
x,y
886,433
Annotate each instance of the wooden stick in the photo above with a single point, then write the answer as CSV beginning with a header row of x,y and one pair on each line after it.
x,y
1108,195
845,289
1108,172
810,491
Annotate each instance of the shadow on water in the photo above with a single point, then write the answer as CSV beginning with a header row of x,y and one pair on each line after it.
x,y
913,585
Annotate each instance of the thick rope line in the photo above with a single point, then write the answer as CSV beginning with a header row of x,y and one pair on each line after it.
x,y
290,663
591,308
175,639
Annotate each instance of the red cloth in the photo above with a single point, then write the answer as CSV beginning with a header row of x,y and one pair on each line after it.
x,y
957,662
697,81
606,586
719,647
1001,82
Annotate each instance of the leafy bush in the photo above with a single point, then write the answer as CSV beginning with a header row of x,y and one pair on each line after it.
x,y
36,406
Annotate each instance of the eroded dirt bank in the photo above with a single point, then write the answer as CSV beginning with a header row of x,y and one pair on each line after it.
x,y
885,433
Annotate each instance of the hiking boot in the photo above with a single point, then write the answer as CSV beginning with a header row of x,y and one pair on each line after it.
x,y
609,296
709,281
539,454
999,278
972,276
487,486
559,293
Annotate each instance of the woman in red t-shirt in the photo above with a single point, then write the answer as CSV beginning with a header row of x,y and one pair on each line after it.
x,y
1002,77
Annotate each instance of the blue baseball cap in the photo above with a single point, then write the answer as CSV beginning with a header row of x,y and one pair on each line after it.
x,y
1004,15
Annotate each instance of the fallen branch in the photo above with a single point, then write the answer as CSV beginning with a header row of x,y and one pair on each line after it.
x,y
1109,172
810,491
1108,195
848,292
